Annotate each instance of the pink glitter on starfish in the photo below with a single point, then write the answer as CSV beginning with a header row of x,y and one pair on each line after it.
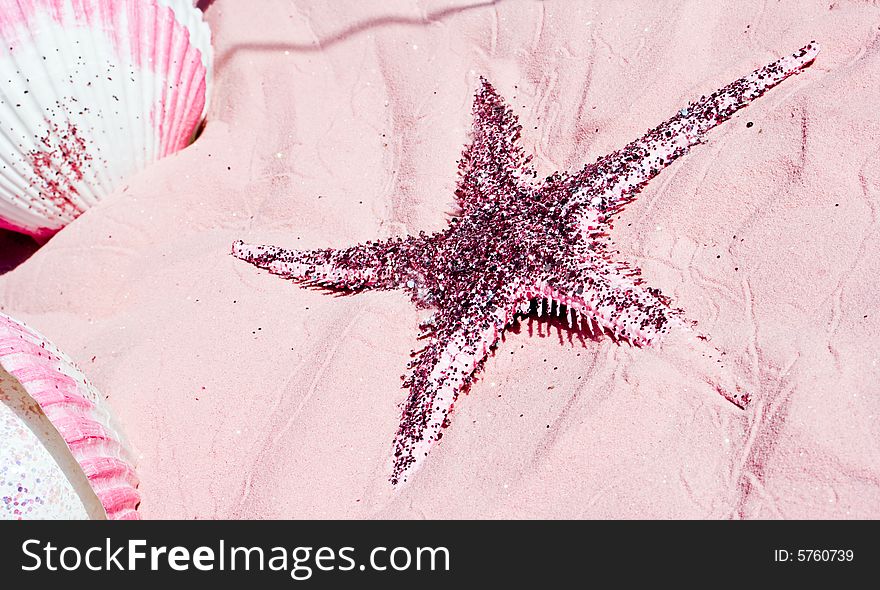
x,y
518,241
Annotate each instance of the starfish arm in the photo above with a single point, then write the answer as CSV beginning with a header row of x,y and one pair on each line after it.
x,y
614,180
494,163
611,296
440,372
375,265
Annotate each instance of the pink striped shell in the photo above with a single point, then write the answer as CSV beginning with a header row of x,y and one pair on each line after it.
x,y
93,91
76,411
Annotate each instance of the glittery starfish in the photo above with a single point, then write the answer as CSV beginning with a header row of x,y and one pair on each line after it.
x,y
519,240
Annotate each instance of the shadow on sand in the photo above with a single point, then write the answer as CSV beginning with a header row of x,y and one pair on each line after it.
x,y
15,249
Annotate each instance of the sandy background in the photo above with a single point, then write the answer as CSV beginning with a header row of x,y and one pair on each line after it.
x,y
245,396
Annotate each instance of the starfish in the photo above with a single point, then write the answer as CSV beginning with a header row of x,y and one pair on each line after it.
x,y
516,241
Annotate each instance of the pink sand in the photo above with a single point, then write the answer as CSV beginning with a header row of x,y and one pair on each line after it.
x,y
246,396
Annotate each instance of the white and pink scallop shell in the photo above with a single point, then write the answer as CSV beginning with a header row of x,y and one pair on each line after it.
x,y
60,455
92,91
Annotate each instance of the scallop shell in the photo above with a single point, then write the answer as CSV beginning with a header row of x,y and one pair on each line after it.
x,y
92,91
60,455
